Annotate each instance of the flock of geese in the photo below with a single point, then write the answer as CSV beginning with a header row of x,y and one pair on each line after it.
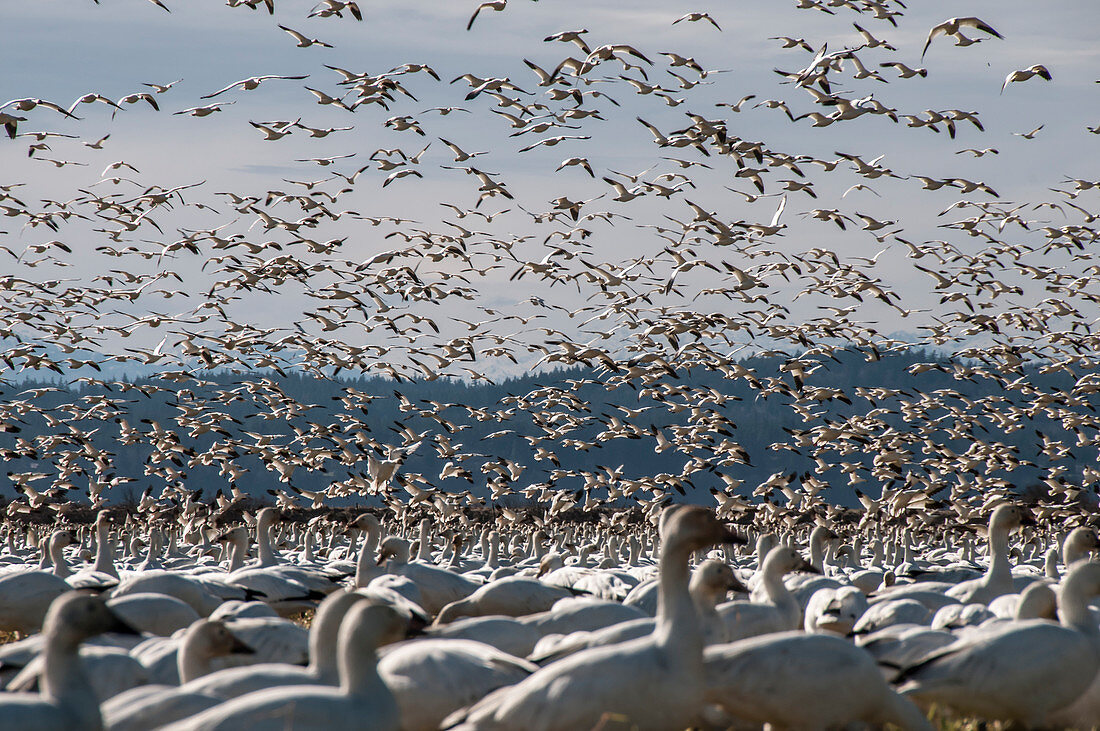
x,y
587,599
683,621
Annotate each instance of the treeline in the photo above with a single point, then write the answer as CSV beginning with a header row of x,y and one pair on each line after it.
x,y
484,422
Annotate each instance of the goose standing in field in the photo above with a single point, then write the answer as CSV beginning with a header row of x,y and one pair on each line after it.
x,y
455,673
796,680
361,701
781,613
150,706
67,700
580,690
998,577
323,652
1018,671
438,587
712,580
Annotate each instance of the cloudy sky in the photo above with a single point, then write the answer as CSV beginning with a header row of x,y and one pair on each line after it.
x,y
58,50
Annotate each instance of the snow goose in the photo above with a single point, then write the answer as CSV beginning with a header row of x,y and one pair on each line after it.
x,y
513,596
504,633
203,596
888,613
796,680
361,701
998,577
835,610
322,669
67,699
366,567
710,581
154,705
1017,671
781,613
157,614
438,587
103,573
581,690
455,673
1079,545
25,597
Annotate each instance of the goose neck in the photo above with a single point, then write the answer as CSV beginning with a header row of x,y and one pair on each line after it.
x,y
191,659
677,619
264,549
65,682
104,551
236,554
57,557
1073,603
772,580
1000,567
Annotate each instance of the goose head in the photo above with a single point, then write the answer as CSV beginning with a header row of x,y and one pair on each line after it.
x,y
365,522
1078,544
1009,517
691,528
715,578
393,547
211,638
785,559
234,536
76,616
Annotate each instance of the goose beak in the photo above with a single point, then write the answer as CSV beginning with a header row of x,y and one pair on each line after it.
x,y
808,567
736,585
241,648
1027,518
121,627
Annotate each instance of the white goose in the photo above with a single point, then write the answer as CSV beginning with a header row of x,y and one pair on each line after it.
x,y
361,701
782,612
710,581
580,690
438,587
1017,671
433,678
512,596
322,668
25,596
154,705
67,699
796,680
998,577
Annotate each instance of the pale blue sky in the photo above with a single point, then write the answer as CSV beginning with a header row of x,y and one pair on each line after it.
x,y
59,50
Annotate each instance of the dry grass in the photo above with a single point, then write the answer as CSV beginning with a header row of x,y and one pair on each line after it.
x,y
6,637
305,619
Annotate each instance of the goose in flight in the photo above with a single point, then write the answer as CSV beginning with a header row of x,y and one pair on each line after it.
x,y
1025,74
696,17
952,27
250,83
304,41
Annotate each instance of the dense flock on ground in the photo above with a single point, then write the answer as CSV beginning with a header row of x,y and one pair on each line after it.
x,y
433,361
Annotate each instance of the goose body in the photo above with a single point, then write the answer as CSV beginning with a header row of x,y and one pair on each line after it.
x,y
1018,671
796,680
67,699
582,689
361,701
